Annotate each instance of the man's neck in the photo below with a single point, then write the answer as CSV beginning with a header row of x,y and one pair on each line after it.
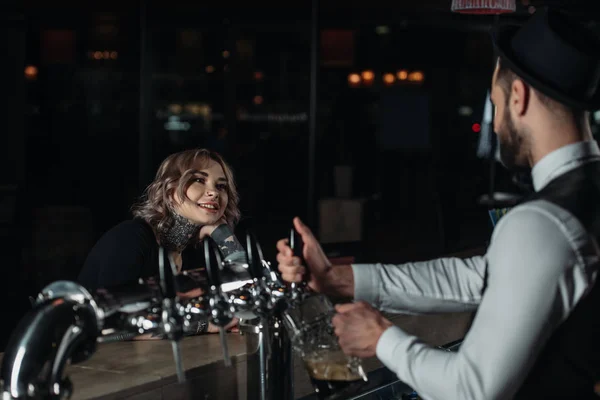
x,y
555,139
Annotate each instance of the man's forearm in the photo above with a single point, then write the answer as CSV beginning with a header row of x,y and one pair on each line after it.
x,y
339,282
440,285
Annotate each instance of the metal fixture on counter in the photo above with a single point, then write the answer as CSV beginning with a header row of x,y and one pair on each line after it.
x,y
67,321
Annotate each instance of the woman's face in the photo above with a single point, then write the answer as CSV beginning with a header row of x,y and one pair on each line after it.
x,y
206,197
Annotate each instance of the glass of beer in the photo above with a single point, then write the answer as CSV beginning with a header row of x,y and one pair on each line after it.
x,y
334,375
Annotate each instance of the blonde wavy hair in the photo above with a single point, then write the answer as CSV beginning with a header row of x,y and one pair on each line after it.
x,y
175,175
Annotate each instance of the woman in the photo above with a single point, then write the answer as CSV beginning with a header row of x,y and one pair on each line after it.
x,y
192,196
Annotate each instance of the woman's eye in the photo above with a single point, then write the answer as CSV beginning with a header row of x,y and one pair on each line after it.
x,y
222,187
199,180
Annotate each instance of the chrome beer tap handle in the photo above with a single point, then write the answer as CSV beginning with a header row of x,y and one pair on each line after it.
x,y
221,312
297,290
171,319
263,289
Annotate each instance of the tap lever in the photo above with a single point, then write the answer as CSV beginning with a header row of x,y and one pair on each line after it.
x,y
168,283
297,246
254,254
212,258
172,321
261,268
178,361
226,358
221,314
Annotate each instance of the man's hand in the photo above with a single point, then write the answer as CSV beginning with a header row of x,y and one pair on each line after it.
x,y
316,260
359,327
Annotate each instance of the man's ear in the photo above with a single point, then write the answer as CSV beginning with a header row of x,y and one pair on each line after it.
x,y
520,96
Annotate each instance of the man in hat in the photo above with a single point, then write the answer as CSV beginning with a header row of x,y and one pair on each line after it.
x,y
535,291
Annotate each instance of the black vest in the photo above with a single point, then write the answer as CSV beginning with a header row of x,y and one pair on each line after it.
x,y
568,366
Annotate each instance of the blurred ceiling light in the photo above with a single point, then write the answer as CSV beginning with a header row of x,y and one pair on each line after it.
x,y
199,109
382,30
31,72
175,108
97,55
368,76
258,100
210,69
465,111
388,79
354,79
402,74
106,55
226,54
114,55
416,76
258,75
483,6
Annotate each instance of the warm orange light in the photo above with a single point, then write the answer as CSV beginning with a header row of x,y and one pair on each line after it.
x,y
368,76
354,79
389,78
258,75
114,55
225,54
31,72
175,108
402,74
106,55
416,76
210,69
97,55
258,100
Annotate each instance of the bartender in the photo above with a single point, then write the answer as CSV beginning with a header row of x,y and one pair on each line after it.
x,y
536,330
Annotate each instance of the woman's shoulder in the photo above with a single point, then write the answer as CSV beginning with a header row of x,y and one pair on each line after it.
x,y
133,230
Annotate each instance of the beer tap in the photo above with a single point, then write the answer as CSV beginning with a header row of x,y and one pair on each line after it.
x,y
297,289
269,288
221,312
261,292
171,318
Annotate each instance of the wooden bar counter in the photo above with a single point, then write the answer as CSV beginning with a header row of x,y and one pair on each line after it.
x,y
144,370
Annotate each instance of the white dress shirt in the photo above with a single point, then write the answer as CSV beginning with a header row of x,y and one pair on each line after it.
x,y
541,262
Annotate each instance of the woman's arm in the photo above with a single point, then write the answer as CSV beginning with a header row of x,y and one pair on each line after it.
x,y
229,245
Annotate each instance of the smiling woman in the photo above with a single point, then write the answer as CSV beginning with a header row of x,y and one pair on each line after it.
x,y
193,195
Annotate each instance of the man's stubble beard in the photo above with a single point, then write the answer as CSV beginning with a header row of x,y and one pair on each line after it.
x,y
512,147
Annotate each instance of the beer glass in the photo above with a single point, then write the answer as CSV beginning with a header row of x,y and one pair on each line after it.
x,y
333,374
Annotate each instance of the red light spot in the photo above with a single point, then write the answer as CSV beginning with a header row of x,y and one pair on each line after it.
x,y
476,128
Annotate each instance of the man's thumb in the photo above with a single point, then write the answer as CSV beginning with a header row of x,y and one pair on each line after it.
x,y
302,229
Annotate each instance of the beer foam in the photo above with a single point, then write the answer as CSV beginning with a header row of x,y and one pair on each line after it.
x,y
330,366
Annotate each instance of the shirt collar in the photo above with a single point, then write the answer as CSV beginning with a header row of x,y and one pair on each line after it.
x,y
563,160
